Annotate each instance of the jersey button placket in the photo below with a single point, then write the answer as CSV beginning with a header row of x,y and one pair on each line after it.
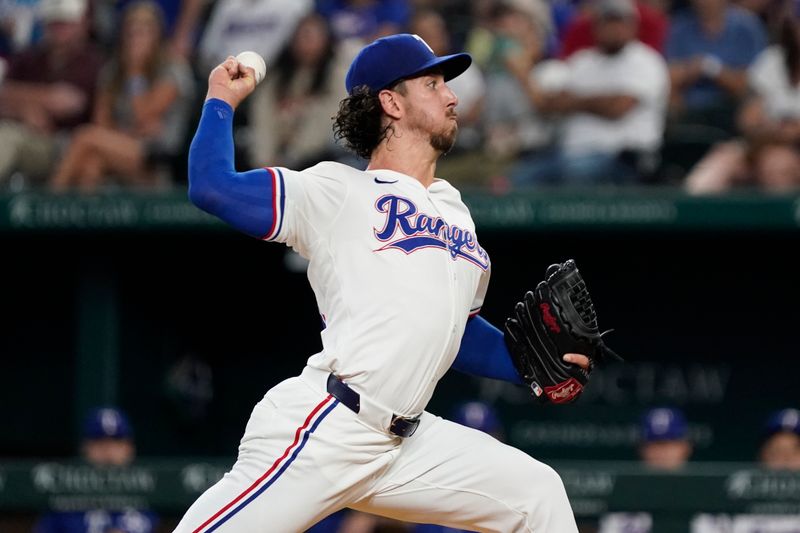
x,y
452,277
455,288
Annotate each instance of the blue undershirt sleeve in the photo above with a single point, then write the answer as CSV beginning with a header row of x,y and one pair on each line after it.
x,y
242,199
483,353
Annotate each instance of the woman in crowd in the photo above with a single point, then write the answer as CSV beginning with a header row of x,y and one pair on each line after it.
x,y
291,111
140,113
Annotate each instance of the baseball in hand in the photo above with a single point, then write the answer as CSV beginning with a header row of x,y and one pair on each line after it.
x,y
255,61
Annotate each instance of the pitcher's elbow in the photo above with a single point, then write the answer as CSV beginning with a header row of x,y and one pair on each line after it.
x,y
199,193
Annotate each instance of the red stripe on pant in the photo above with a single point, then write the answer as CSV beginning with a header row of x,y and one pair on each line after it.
x,y
275,465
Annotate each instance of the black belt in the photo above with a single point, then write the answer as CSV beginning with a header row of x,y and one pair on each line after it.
x,y
400,426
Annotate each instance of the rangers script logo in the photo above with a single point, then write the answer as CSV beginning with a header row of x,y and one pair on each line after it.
x,y
419,230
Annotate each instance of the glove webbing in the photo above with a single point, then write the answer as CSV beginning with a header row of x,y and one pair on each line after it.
x,y
579,296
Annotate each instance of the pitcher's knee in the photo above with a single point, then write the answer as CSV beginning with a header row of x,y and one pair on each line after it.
x,y
546,483
546,506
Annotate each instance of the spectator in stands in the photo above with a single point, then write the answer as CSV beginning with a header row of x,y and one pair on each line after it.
x,y
107,438
365,20
516,74
663,445
460,16
47,91
479,34
613,108
470,87
181,22
237,25
579,34
107,441
780,449
290,115
140,114
709,49
465,164
767,157
665,442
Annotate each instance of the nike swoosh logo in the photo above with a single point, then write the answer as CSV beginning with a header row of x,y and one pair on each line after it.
x,y
384,182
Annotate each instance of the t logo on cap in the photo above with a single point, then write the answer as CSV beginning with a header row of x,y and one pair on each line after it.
x,y
386,61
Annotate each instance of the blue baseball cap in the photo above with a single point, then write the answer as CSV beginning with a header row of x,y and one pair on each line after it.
x,y
664,423
477,415
386,61
106,423
783,420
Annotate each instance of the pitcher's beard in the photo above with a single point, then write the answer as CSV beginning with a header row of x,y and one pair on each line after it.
x,y
443,142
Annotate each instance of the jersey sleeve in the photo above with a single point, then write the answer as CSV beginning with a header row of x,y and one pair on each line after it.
x,y
305,204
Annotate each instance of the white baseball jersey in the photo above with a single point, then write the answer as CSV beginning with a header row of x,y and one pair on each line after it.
x,y
396,269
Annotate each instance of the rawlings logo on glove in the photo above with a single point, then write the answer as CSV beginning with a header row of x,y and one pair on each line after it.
x,y
556,318
549,319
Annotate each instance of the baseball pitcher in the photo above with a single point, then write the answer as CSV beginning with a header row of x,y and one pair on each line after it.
x,y
399,277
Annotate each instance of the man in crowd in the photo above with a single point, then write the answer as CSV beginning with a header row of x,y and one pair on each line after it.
x,y
48,91
106,442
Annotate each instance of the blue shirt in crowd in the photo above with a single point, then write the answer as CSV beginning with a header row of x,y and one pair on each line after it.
x,y
350,20
739,42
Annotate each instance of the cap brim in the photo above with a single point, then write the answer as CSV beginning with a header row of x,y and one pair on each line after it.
x,y
452,66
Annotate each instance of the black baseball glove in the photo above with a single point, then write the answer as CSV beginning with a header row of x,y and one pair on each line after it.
x,y
555,319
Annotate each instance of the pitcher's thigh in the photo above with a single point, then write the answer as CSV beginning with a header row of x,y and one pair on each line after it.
x,y
275,485
463,478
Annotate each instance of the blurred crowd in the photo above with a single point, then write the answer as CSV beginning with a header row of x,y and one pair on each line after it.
x,y
101,95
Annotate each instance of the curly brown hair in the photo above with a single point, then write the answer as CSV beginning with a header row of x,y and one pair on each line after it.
x,y
360,123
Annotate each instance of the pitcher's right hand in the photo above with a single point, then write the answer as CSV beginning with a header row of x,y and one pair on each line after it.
x,y
231,82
